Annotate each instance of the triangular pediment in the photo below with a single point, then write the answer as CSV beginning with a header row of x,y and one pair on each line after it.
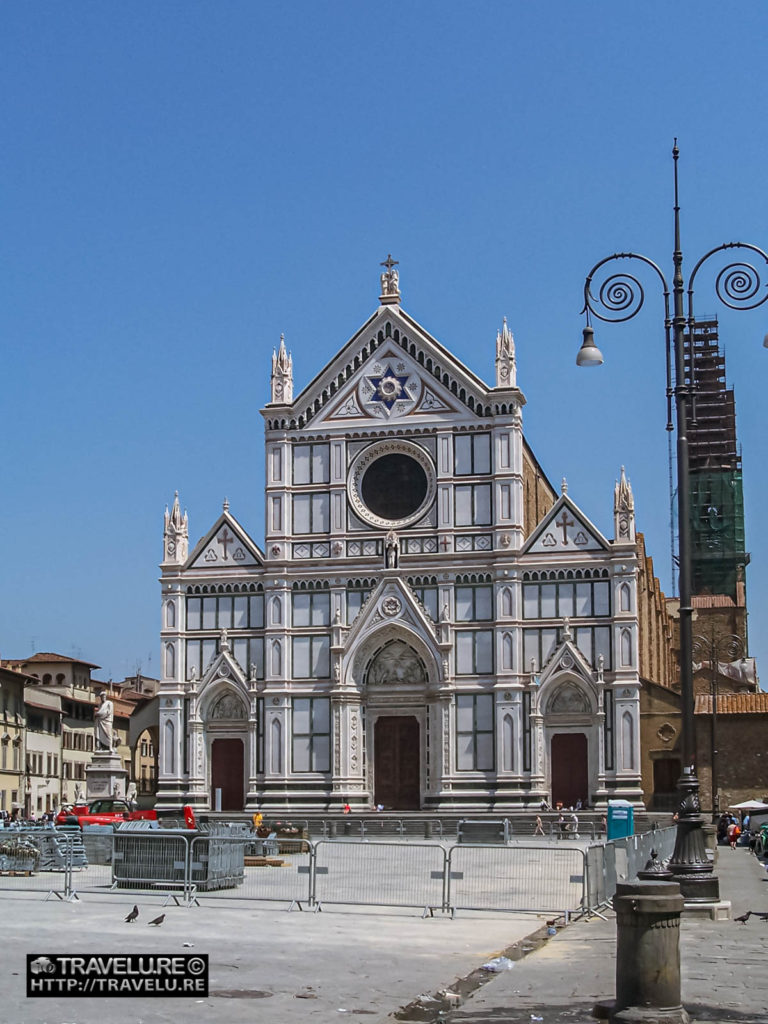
x,y
223,667
392,603
225,546
564,530
393,623
566,657
567,682
391,370
392,387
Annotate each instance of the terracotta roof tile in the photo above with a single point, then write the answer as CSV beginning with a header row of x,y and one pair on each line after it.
x,y
712,601
48,656
733,704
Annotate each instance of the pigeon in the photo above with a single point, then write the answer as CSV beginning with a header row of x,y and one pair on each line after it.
x,y
158,920
759,913
744,917
133,914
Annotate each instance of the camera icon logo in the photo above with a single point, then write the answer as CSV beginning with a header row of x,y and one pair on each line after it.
x,y
42,965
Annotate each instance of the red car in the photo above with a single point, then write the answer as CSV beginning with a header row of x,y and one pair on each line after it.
x,y
102,812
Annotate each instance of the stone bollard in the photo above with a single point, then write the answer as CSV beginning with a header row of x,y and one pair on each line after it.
x,y
332,827
648,953
427,829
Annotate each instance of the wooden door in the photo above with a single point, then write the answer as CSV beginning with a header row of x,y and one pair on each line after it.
x,y
570,769
227,764
396,763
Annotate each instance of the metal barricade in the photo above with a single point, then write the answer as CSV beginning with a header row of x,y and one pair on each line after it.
x,y
284,875
639,848
621,859
479,831
157,860
599,891
34,860
380,874
517,878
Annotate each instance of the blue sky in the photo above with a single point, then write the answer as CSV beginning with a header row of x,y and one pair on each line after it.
x,y
182,182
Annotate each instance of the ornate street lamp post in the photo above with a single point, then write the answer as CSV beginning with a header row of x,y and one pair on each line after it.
x,y
715,649
620,297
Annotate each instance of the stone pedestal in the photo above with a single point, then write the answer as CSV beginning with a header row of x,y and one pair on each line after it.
x,y
105,776
648,953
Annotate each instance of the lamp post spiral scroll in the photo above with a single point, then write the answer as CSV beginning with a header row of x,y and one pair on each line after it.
x,y
617,299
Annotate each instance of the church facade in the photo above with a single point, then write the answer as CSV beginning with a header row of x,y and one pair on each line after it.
x,y
427,626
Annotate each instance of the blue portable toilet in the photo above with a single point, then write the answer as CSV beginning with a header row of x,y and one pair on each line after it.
x,y
621,819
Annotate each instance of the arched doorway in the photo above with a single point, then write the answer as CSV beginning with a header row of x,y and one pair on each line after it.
x,y
227,773
396,762
570,769
227,732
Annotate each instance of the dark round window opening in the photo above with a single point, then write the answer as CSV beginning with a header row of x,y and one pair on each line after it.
x,y
394,486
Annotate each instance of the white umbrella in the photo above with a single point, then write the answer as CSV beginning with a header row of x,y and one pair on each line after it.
x,y
749,805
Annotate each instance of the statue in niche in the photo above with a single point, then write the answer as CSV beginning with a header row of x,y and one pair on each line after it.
x,y
227,706
392,550
396,664
568,699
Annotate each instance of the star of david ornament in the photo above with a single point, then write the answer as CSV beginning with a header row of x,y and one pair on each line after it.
x,y
388,388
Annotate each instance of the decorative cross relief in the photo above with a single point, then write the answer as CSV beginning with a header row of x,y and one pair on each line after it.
x,y
225,540
564,522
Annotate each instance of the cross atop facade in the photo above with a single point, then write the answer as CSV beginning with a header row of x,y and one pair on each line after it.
x,y
390,282
565,522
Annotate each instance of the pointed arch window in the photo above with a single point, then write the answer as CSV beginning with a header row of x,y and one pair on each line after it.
x,y
277,658
170,615
169,748
508,741
506,601
507,651
626,647
275,746
627,742
170,661
625,597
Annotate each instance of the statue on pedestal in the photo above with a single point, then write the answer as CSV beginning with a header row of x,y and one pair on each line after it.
x,y
103,716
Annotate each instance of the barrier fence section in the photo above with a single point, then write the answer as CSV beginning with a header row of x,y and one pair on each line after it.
x,y
517,878
231,867
151,860
35,859
620,860
380,874
558,878
376,827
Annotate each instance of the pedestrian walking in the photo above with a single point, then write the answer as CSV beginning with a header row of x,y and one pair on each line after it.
x,y
539,830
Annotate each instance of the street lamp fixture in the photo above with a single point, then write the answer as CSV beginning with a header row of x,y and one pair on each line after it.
x,y
617,298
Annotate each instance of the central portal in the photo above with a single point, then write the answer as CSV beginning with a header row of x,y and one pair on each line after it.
x,y
570,770
227,764
396,762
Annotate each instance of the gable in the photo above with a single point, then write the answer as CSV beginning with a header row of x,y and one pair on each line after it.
x,y
391,386
391,369
225,546
565,530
